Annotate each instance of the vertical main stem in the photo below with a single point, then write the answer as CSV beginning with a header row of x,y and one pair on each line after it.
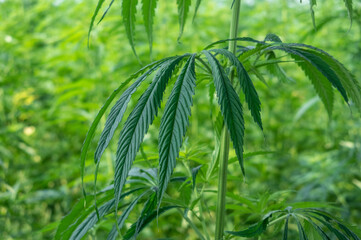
x,y
224,148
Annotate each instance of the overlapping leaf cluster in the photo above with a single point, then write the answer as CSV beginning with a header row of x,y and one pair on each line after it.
x,y
323,70
312,223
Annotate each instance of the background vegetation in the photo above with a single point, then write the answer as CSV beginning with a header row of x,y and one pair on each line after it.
x,y
52,86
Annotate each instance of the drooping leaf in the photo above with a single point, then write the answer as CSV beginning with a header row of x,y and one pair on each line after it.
x,y
256,229
183,9
121,220
91,132
106,11
322,86
174,123
138,123
254,104
198,3
285,230
129,10
301,230
118,110
148,9
321,66
230,104
194,175
81,219
147,210
349,82
148,219
96,11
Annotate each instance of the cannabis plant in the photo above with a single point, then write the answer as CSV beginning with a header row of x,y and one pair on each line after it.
x,y
227,68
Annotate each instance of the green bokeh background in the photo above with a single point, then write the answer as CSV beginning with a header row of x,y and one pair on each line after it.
x,y
52,86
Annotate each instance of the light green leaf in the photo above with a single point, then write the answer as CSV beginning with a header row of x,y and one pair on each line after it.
x,y
129,9
198,3
99,5
174,123
230,104
138,123
183,9
148,9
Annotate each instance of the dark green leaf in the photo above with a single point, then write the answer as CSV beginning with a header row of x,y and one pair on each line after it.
x,y
118,110
121,220
285,231
91,131
254,104
129,9
319,81
148,9
321,65
301,230
351,85
174,123
256,229
194,175
138,123
272,38
230,104
183,9
149,218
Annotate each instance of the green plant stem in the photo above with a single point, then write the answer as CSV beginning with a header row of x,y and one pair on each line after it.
x,y
224,147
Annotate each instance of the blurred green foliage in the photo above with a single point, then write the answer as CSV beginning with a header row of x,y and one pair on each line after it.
x,y
52,86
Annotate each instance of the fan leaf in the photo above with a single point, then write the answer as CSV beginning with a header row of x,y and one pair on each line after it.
x,y
147,219
117,112
321,66
351,85
138,123
254,104
148,9
322,86
96,11
183,9
198,3
230,104
174,123
91,132
121,220
129,10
